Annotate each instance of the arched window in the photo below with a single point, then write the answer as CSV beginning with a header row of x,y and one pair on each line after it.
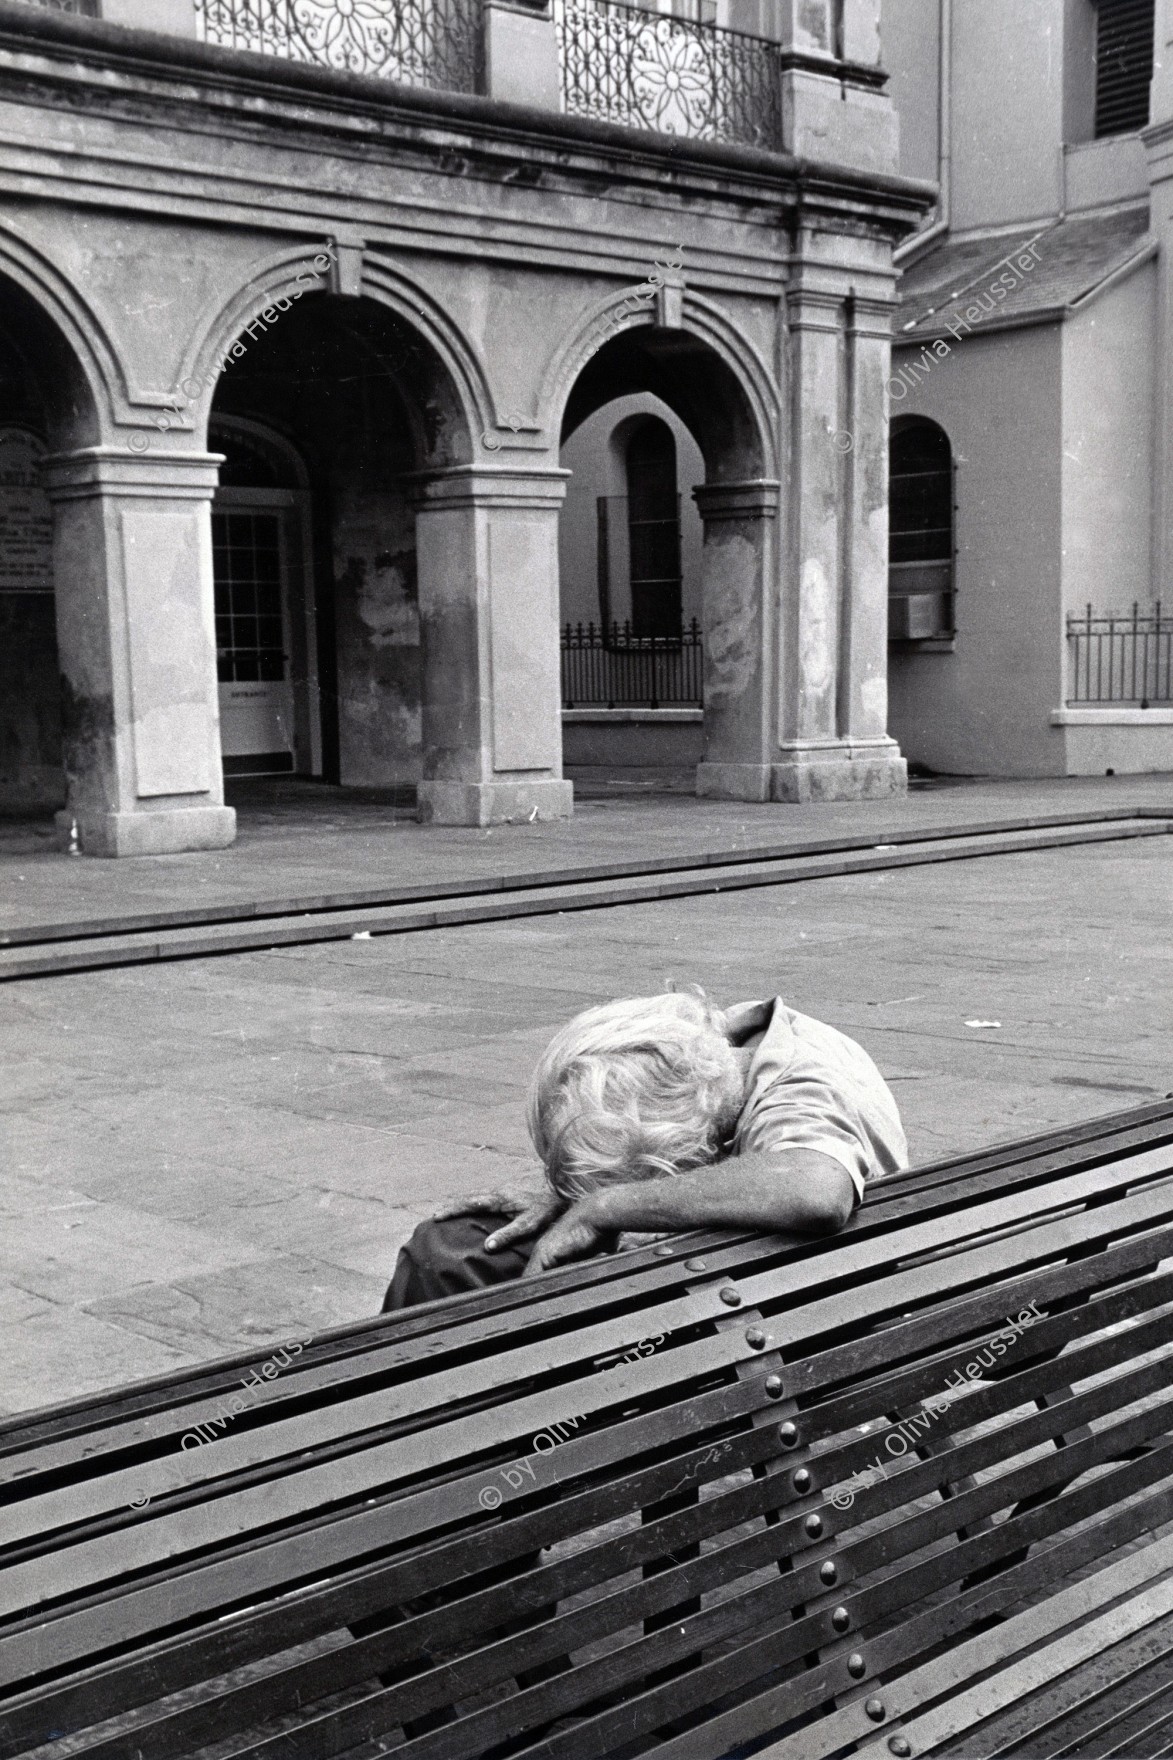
x,y
653,526
920,532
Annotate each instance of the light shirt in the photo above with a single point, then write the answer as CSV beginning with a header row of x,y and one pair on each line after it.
x,y
811,1087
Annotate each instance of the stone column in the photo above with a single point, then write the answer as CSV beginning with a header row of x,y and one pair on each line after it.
x,y
740,599
863,644
132,555
487,551
833,742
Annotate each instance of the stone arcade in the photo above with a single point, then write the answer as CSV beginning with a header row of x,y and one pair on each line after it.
x,y
373,479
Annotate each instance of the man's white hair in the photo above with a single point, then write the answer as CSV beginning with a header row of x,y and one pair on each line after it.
x,y
635,1089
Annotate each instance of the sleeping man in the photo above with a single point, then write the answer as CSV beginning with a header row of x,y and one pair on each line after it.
x,y
658,1114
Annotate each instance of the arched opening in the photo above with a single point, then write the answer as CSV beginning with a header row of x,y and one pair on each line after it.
x,y
324,417
655,425
920,532
45,407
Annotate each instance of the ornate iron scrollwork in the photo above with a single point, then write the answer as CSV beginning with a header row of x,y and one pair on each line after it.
x,y
433,43
649,70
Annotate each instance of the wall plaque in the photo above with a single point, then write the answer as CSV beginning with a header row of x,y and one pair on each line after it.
x,y
26,518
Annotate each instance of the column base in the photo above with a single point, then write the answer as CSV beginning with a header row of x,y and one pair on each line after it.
x,y
494,803
733,782
839,772
166,833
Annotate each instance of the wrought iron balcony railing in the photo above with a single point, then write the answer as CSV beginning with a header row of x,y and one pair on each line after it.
x,y
646,69
677,75
436,43
1121,658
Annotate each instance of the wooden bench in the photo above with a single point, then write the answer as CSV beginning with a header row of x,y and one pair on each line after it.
x,y
715,1547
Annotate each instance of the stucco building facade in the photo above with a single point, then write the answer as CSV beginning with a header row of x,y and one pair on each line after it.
x,y
1030,397
297,327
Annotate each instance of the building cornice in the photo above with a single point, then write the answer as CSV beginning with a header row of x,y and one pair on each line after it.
x,y
47,57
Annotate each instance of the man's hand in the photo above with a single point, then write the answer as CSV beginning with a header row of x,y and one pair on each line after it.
x,y
575,1235
531,1210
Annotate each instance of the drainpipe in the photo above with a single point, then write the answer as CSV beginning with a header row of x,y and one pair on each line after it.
x,y
913,246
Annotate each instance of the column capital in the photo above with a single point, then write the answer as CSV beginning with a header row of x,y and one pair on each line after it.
x,y
815,308
116,470
756,498
494,485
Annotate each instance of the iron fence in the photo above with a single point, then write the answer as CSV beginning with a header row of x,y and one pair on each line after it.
x,y
1121,658
436,43
647,69
604,666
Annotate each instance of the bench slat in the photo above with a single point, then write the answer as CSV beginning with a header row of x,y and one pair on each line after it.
x,y
494,1312
290,1435
688,1538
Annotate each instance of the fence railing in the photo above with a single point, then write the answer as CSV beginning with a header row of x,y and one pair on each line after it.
x,y
606,667
1120,658
436,43
622,63
647,69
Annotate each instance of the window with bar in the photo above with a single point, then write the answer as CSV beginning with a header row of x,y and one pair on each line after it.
x,y
920,532
653,526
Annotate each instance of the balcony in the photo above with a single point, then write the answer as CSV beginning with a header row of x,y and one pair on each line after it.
x,y
676,75
645,69
436,43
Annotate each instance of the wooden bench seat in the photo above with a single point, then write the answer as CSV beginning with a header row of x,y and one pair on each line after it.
x,y
730,1495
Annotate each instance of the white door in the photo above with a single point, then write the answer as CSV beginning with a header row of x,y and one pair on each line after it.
x,y
250,550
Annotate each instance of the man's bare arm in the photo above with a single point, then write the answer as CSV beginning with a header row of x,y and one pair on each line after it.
x,y
783,1190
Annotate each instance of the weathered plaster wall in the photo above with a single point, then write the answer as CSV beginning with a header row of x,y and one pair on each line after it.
x,y
1007,110
654,739
377,623
1108,395
984,709
910,48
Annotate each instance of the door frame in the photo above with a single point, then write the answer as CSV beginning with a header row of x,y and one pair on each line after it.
x,y
293,508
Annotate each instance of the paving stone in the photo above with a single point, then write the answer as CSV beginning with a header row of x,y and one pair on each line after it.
x,y
288,1296
201,1155
49,1356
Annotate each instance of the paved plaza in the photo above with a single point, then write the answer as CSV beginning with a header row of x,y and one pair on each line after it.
x,y
202,1155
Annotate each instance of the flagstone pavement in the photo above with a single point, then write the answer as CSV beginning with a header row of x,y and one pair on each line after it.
x,y
200,1156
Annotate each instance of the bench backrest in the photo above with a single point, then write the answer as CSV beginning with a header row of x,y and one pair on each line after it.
x,y
668,1501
